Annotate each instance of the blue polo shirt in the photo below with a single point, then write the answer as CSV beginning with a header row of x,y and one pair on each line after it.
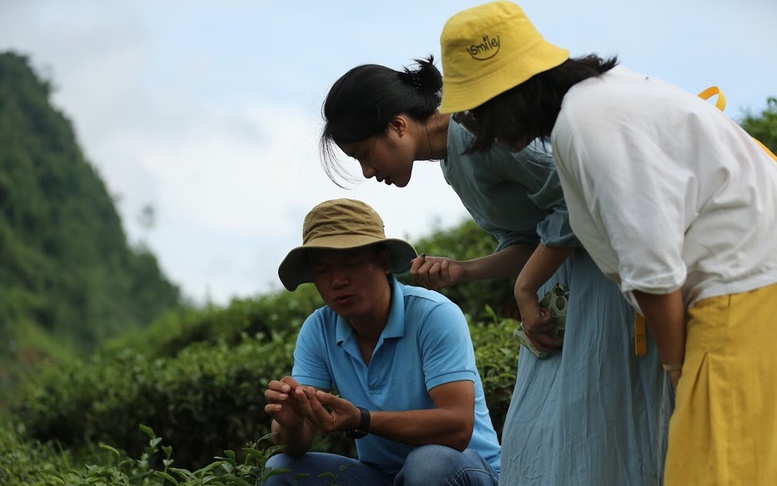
x,y
426,343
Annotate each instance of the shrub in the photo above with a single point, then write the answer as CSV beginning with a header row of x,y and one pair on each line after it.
x,y
198,377
31,463
21,460
207,398
266,314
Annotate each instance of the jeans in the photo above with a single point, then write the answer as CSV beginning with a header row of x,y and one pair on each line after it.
x,y
429,465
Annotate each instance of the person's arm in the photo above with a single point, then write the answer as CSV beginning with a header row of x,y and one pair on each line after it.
x,y
632,195
506,263
435,272
537,321
296,439
450,423
285,400
665,316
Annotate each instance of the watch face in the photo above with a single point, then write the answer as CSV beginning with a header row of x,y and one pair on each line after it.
x,y
355,433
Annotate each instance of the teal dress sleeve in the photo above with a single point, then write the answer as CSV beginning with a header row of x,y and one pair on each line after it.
x,y
515,196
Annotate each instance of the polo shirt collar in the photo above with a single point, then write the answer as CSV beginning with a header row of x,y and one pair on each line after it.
x,y
395,327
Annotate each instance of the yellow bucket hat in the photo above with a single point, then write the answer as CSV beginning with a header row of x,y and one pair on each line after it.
x,y
340,224
489,49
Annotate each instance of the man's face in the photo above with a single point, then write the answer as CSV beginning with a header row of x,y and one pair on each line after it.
x,y
352,282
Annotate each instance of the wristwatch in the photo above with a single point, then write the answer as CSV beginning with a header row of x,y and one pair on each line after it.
x,y
363,428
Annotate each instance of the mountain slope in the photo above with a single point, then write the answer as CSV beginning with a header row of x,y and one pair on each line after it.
x,y
66,268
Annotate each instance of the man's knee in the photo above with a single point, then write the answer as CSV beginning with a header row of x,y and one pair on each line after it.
x,y
435,464
276,461
426,463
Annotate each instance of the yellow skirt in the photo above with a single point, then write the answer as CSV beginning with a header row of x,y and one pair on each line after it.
x,y
724,427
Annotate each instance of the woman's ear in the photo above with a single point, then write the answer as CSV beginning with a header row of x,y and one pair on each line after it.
x,y
398,124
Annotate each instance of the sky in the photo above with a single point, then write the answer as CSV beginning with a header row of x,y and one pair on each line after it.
x,y
210,111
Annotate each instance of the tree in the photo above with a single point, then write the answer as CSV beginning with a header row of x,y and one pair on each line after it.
x,y
69,280
764,126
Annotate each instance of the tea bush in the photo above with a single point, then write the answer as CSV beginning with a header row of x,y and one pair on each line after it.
x,y
496,354
197,377
22,460
275,312
31,463
207,398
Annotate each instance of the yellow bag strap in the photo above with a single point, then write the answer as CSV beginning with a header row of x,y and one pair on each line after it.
x,y
721,105
640,335
765,148
640,332
712,91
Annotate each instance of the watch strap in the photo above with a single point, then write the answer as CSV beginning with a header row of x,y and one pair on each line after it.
x,y
364,425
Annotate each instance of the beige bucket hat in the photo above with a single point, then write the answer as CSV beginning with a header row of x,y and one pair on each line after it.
x,y
341,224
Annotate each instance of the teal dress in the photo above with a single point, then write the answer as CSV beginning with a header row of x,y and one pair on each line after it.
x,y
593,414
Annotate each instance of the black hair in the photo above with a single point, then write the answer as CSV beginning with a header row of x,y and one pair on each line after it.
x,y
362,102
529,110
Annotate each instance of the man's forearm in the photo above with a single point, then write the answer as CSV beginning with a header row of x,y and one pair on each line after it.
x,y
420,427
297,441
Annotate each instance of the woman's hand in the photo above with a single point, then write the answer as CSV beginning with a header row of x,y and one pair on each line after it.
x,y
436,273
537,322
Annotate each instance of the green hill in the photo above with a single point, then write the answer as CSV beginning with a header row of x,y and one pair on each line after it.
x,y
69,280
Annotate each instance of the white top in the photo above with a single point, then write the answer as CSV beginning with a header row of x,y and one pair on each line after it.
x,y
664,190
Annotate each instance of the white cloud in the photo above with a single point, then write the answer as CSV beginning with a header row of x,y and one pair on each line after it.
x,y
230,201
